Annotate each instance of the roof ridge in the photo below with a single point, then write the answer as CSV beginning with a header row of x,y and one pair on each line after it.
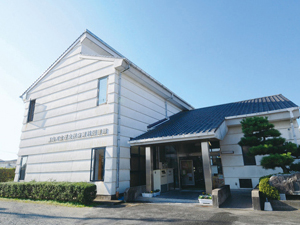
x,y
242,101
104,56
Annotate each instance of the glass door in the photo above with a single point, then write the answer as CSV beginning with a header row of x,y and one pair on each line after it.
x,y
187,172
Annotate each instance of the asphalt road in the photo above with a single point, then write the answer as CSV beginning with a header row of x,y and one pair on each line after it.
x,y
13,212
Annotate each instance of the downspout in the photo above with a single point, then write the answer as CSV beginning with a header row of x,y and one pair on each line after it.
x,y
166,105
119,130
292,125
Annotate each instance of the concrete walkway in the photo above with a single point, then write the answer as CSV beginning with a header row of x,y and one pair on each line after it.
x,y
14,212
240,199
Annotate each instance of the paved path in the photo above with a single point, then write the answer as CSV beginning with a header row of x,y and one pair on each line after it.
x,y
13,212
240,199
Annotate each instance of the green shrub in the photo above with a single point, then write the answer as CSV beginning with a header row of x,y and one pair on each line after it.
x,y
295,167
267,176
267,190
7,174
81,192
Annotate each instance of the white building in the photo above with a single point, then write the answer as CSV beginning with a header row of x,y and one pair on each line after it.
x,y
8,164
83,114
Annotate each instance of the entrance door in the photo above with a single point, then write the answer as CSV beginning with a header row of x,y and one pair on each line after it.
x,y
187,172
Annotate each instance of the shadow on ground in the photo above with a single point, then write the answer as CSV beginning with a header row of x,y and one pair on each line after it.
x,y
239,199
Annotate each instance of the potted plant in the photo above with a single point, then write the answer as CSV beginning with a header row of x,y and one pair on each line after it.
x,y
148,194
205,199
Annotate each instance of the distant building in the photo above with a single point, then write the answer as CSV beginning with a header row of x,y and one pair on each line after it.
x,y
8,164
95,116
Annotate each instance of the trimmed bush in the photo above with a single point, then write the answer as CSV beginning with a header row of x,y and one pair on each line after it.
x,y
7,174
81,192
267,190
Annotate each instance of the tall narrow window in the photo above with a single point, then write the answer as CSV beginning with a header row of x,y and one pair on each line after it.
x,y
248,160
23,165
31,110
102,90
97,164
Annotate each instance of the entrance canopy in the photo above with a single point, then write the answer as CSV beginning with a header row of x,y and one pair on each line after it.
x,y
209,122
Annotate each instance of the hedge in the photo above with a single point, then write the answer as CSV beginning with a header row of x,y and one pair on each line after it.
x,y
7,174
267,190
80,192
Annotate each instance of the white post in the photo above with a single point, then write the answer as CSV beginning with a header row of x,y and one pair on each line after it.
x,y
149,168
206,167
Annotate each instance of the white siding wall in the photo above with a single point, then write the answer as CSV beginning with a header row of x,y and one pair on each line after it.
x,y
139,108
233,164
66,103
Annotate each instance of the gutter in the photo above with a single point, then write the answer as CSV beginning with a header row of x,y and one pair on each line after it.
x,y
167,139
292,125
166,104
119,131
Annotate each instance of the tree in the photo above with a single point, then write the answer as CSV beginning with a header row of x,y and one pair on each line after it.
x,y
263,139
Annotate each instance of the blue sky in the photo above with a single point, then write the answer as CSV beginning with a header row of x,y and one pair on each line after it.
x,y
207,52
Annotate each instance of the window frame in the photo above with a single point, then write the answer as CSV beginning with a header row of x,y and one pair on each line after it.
x,y
31,109
93,162
98,90
20,169
245,155
243,182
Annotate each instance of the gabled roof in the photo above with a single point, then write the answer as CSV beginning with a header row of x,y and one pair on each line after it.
x,y
116,55
209,119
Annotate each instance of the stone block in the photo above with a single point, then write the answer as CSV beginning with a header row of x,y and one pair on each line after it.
x,y
219,195
287,184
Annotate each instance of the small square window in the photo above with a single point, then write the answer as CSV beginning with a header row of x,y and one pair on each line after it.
x,y
23,166
97,164
31,111
245,183
102,90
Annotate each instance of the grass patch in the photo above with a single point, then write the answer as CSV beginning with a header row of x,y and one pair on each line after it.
x,y
50,202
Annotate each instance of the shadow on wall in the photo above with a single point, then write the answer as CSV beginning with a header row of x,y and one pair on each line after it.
x,y
39,118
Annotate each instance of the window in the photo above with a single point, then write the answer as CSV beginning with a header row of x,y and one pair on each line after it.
x,y
31,111
137,166
245,183
248,160
102,89
23,165
97,164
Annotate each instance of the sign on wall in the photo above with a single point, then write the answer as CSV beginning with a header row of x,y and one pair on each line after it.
x,y
86,134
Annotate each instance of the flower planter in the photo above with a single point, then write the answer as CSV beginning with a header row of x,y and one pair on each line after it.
x,y
205,201
156,193
147,195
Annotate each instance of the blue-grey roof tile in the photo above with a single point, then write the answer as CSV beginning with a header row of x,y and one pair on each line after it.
x,y
210,118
